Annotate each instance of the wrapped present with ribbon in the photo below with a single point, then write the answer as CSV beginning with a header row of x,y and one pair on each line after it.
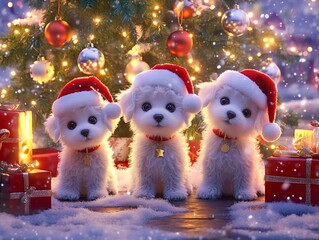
x,y
23,189
15,135
47,159
293,179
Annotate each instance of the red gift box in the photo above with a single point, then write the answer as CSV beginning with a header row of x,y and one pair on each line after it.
x,y
292,180
25,192
18,147
47,158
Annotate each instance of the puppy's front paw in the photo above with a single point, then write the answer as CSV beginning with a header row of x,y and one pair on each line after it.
x,y
178,195
96,194
246,195
208,193
67,196
143,194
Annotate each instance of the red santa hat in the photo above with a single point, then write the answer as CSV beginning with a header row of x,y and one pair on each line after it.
x,y
83,92
174,77
262,90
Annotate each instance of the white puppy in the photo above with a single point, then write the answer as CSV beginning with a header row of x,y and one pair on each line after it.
x,y
158,105
83,121
238,105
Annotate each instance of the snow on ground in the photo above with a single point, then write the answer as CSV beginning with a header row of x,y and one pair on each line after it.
x,y
256,220
73,220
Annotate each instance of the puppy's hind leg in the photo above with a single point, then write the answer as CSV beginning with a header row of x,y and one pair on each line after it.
x,y
244,188
174,186
96,184
144,187
68,187
211,185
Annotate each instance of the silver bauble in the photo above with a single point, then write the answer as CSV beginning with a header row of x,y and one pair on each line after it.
x,y
90,60
235,22
271,69
42,71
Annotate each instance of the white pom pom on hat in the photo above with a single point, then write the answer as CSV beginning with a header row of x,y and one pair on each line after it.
x,y
174,77
262,90
82,92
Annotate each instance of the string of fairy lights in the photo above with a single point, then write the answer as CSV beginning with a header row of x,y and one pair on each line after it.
x,y
91,60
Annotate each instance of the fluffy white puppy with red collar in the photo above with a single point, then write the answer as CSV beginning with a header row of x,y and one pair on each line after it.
x,y
159,105
237,107
83,118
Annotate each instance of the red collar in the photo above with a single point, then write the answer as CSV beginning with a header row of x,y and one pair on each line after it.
x,y
159,138
90,149
221,134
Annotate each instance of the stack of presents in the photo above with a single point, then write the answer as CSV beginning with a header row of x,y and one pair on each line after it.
x,y
292,175
25,173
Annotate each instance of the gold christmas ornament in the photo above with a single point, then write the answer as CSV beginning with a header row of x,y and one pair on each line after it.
x,y
134,67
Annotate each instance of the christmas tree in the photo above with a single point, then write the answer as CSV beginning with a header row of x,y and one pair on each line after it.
x,y
131,35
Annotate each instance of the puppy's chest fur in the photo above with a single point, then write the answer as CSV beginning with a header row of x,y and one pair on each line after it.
x,y
147,151
226,161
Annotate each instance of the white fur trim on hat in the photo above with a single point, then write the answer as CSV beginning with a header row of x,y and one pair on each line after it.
x,y
271,132
244,85
112,110
192,103
160,77
75,100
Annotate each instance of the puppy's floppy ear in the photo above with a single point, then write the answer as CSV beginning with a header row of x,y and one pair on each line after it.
x,y
111,112
127,102
52,127
207,92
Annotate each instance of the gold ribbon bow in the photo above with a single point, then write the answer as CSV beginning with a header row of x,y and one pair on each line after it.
x,y
9,168
27,195
29,192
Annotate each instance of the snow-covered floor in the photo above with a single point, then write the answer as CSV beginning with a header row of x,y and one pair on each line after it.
x,y
275,221
126,217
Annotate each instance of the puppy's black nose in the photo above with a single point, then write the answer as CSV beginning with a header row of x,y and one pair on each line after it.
x,y
158,117
231,114
85,132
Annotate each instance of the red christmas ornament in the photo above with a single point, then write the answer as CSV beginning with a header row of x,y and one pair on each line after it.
x,y
57,33
184,9
179,43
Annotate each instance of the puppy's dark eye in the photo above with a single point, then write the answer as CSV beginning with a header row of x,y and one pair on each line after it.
x,y
71,125
170,107
247,113
224,101
146,106
92,120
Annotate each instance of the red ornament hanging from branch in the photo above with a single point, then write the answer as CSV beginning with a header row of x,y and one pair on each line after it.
x,y
184,9
57,32
179,43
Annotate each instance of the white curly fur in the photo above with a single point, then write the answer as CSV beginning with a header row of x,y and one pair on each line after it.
x,y
75,179
154,176
236,172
